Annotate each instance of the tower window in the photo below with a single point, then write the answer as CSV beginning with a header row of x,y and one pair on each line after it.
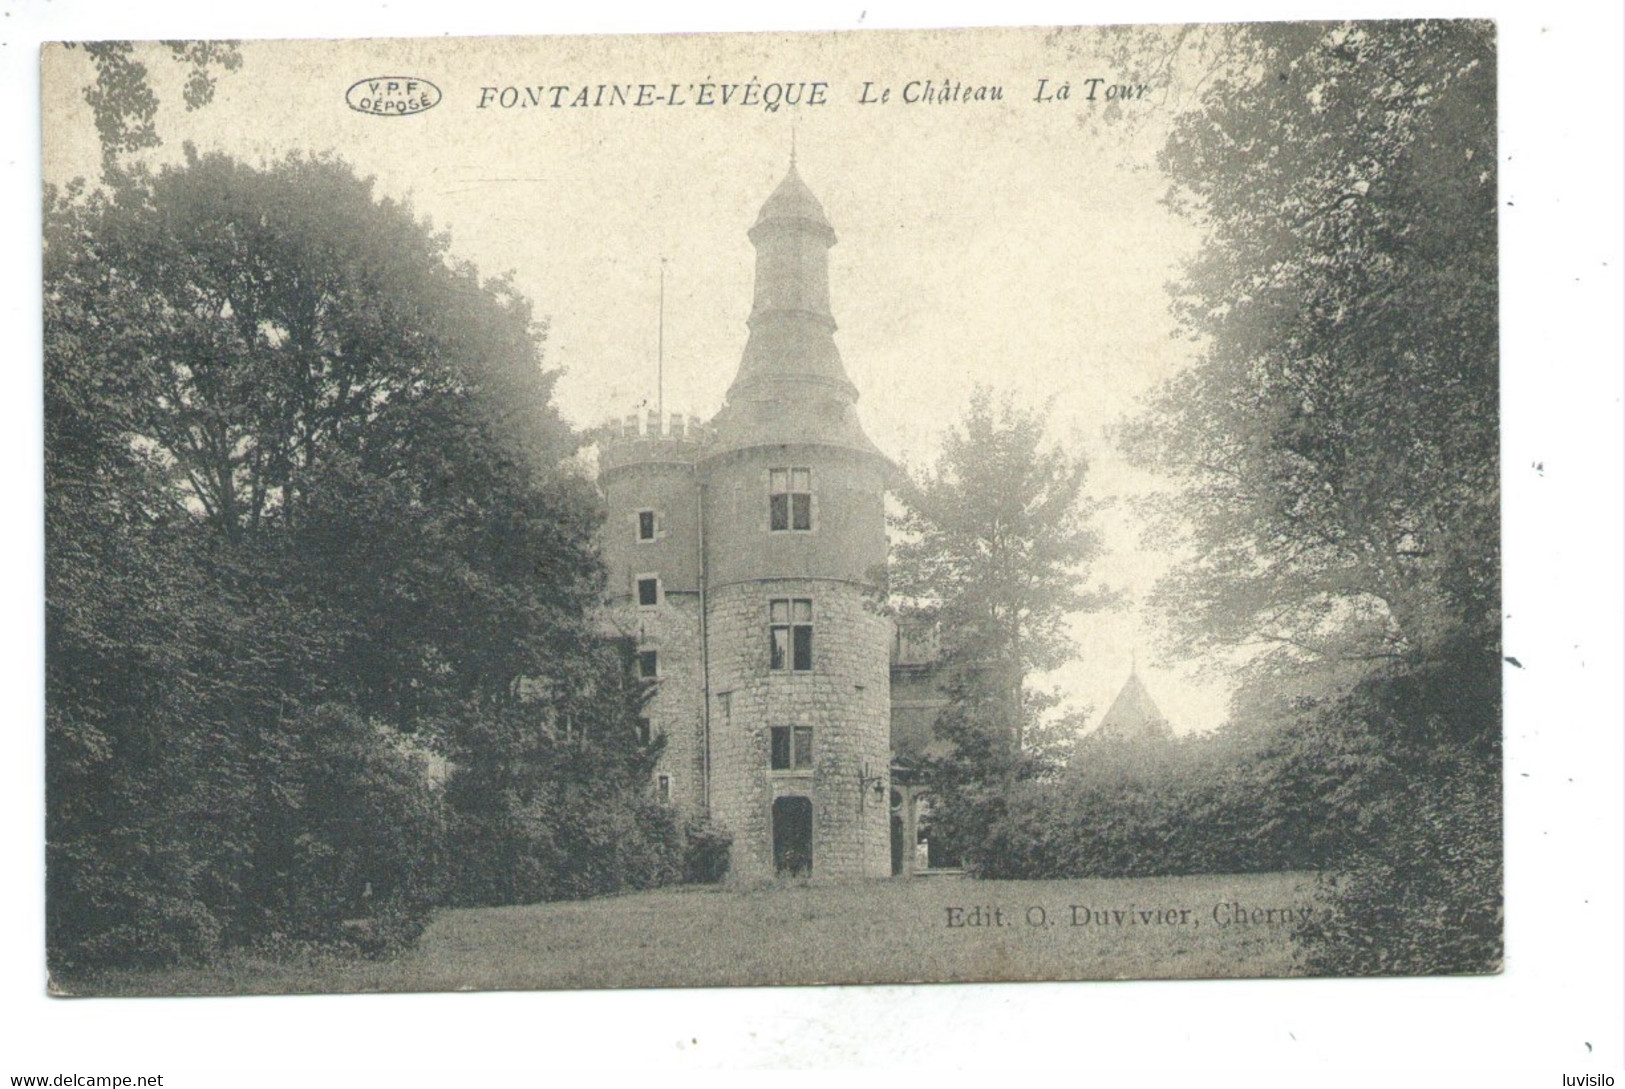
x,y
648,665
648,591
789,503
645,730
790,633
663,788
791,748
646,525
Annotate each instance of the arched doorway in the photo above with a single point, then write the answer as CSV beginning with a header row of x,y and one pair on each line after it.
x,y
792,835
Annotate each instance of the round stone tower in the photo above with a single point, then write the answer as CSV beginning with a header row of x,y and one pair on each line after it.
x,y
792,498
741,557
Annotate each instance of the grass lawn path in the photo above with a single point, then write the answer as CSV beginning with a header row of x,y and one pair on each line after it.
x,y
871,932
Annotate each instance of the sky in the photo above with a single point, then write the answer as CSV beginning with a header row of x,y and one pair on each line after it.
x,y
1019,243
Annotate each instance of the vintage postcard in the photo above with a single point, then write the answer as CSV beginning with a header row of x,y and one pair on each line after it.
x,y
713,510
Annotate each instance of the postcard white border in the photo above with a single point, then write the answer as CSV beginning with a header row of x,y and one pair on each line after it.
x,y
1561,159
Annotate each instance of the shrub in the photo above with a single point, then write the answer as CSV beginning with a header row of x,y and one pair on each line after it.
x,y
366,836
536,817
1391,787
706,853
1213,804
1426,896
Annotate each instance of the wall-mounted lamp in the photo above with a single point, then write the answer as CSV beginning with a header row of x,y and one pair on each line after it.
x,y
868,781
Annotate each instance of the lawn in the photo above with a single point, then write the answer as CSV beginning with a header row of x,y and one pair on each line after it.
x,y
939,928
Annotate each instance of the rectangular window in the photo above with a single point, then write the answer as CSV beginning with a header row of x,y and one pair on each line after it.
x,y
645,730
790,633
646,525
648,591
791,748
663,788
789,503
648,665
803,647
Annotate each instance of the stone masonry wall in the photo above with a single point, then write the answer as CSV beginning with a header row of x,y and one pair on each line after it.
x,y
845,699
676,708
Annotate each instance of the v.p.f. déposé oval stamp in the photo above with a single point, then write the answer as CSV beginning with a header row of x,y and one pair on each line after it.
x,y
392,96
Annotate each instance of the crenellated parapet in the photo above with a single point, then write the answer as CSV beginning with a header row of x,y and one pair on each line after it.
x,y
646,439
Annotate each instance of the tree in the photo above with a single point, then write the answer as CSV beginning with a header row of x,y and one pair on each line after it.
x,y
550,793
1337,443
1338,439
993,548
122,99
308,536
129,620
324,390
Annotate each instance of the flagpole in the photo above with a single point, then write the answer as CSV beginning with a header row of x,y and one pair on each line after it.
x,y
660,352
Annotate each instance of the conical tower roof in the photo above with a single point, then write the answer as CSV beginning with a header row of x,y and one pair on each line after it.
x,y
791,386
1134,715
793,200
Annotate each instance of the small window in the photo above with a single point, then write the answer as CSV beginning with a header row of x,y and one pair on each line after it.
x,y
646,525
790,633
791,748
789,503
648,591
645,730
663,788
648,665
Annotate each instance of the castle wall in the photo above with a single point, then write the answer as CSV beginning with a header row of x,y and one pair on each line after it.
x,y
658,475
846,701
848,535
677,704
661,479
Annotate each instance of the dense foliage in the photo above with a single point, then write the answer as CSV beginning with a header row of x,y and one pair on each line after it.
x,y
1339,433
1338,443
550,798
1299,791
318,592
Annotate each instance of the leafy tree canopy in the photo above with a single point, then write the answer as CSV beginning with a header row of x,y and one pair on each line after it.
x,y
1338,439
123,102
308,536
312,378
994,544
1338,446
